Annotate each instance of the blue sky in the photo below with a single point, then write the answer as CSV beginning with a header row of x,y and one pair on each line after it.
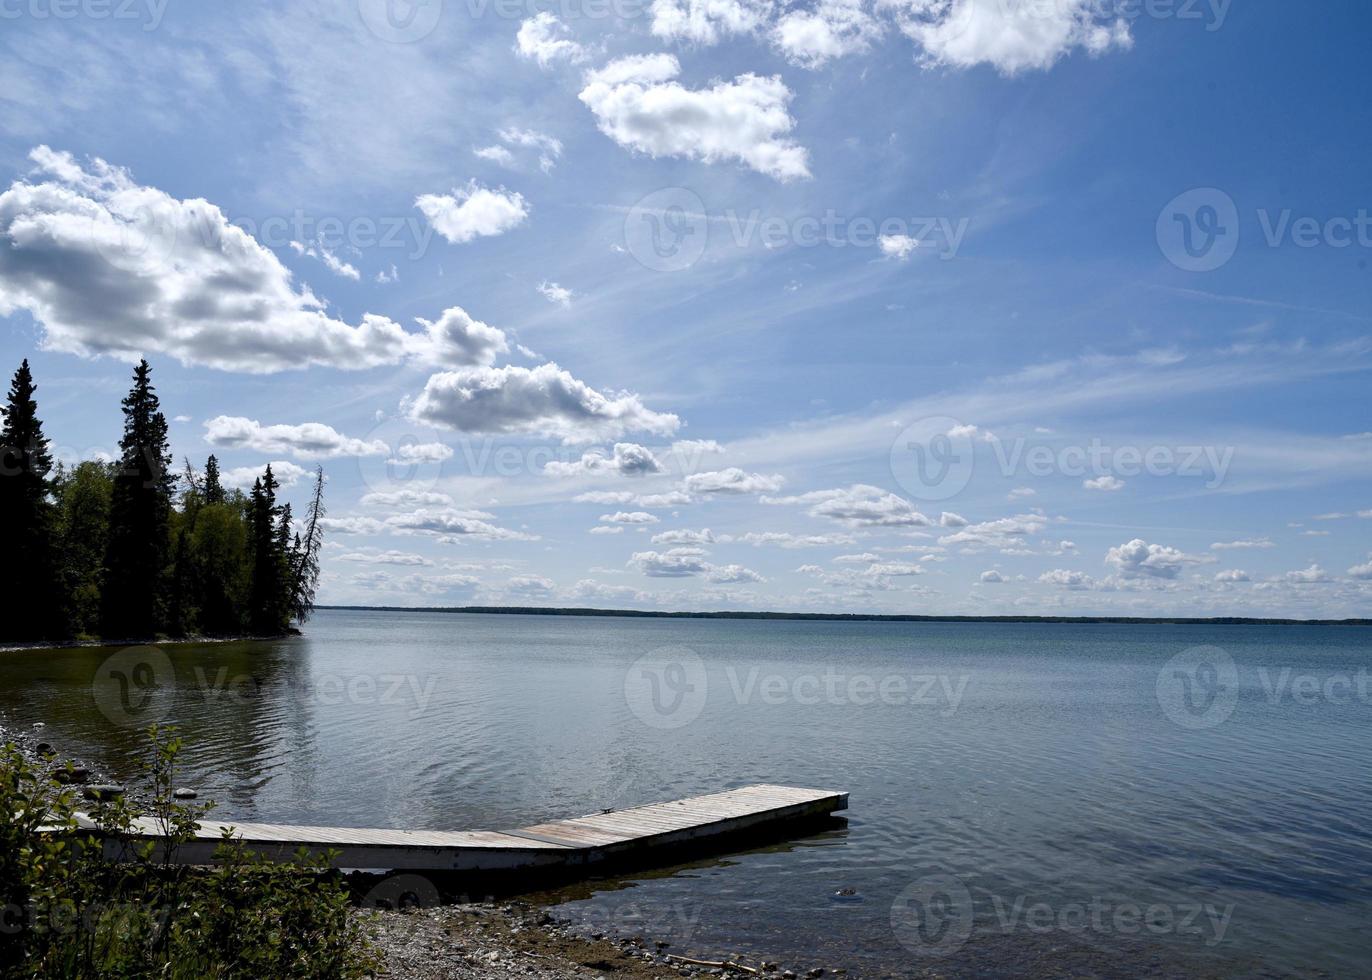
x,y
963,306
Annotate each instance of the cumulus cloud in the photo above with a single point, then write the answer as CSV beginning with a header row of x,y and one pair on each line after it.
x,y
309,440
530,586
685,537
629,459
452,525
733,573
374,556
607,529
1011,35
108,266
638,104
673,563
649,501
1066,579
859,505
473,212
629,517
1139,559
1232,575
543,401
784,539
948,519
415,453
992,577
732,481
1362,572
405,498
1108,484
286,473
1005,532
706,21
547,40
1313,575
831,29
457,339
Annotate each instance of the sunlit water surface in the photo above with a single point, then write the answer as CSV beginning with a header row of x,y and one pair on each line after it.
x,y
1034,765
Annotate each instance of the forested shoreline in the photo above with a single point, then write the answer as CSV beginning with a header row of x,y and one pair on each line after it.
x,y
132,550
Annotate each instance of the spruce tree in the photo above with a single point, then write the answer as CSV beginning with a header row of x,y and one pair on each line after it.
x,y
266,607
133,600
212,490
29,581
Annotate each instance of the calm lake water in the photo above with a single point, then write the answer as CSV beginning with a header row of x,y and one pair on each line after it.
x,y
1026,799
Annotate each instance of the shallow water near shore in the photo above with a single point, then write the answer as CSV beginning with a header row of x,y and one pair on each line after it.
x,y
1025,799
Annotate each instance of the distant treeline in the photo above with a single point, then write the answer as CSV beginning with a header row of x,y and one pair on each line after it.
x,y
131,550
857,617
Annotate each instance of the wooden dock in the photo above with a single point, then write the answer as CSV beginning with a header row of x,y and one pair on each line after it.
x,y
636,835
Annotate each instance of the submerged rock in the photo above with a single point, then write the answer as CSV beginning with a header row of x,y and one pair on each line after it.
x,y
104,791
185,794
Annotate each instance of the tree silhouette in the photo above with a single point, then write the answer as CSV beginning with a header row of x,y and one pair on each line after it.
x,y
31,586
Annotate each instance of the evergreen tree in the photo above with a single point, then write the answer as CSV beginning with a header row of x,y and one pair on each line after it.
x,y
134,594
29,581
266,603
305,555
211,489
83,522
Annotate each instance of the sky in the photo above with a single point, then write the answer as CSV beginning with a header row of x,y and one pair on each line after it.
x,y
902,306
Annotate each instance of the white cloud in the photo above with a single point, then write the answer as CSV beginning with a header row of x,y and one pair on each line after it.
x,y
452,525
649,501
1232,575
457,339
629,459
732,481
549,148
947,519
832,29
674,563
1139,559
331,261
495,154
543,400
679,537
992,578
638,105
733,573
547,40
1362,572
309,440
530,586
860,505
607,529
629,517
111,267
1011,35
706,21
286,473
1020,493
898,247
373,556
405,498
1107,483
1313,575
1242,545
553,293
1002,533
1067,580
473,211
792,541
414,453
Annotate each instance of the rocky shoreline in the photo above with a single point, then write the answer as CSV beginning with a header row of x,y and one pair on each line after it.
x,y
516,941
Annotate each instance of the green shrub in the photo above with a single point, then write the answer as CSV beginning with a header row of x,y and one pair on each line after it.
x,y
83,902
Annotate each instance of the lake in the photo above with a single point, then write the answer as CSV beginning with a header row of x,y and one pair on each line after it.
x,y
1101,800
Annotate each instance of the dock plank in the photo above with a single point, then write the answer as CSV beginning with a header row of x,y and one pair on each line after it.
x,y
568,844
